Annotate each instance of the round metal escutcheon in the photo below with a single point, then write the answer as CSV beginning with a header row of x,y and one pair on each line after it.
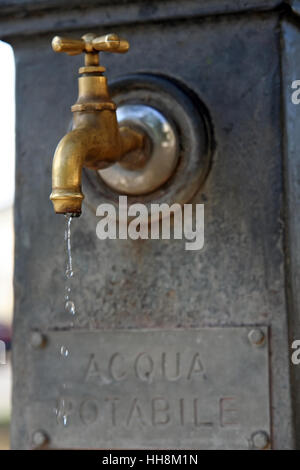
x,y
178,147
144,170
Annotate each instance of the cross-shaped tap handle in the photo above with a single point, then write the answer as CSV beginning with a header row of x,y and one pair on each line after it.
x,y
90,43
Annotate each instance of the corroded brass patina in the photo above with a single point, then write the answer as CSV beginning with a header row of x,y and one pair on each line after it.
x,y
96,140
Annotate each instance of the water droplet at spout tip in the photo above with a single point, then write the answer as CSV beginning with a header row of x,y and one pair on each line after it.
x,y
72,215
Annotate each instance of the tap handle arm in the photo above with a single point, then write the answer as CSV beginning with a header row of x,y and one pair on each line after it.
x,y
110,43
90,43
70,46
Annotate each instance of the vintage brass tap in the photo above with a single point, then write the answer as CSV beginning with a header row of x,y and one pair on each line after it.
x,y
96,140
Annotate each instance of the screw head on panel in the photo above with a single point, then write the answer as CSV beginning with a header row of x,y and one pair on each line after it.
x,y
39,438
37,340
256,337
260,440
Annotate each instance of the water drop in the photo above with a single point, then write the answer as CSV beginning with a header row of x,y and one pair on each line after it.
x,y
62,411
67,292
64,351
69,273
70,307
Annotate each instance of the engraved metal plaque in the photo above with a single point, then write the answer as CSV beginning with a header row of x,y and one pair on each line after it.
x,y
204,388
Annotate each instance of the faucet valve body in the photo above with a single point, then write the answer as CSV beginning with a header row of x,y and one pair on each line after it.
x,y
96,141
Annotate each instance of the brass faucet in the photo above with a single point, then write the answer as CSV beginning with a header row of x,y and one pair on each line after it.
x,y
96,140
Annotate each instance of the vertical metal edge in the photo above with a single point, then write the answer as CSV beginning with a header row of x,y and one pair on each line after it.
x,y
267,331
18,431
290,70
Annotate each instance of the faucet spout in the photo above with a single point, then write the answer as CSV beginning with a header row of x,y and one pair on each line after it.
x,y
85,147
67,166
96,139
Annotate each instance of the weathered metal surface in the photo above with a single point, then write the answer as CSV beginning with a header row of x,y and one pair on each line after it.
x,y
31,6
189,389
232,63
25,18
291,72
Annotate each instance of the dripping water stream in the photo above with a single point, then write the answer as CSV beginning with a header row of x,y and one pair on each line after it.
x,y
69,276
69,303
61,410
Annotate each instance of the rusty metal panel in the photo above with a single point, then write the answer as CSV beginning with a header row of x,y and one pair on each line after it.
x,y
204,388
